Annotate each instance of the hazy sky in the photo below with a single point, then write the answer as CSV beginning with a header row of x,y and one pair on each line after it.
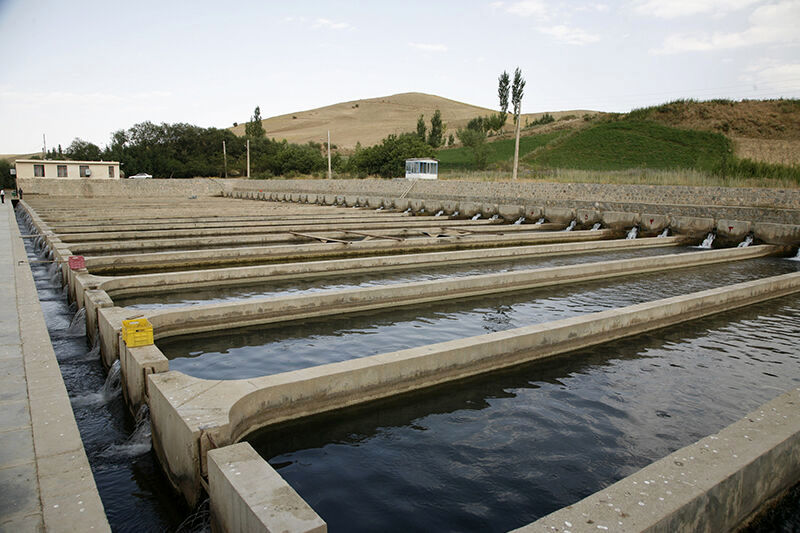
x,y
84,68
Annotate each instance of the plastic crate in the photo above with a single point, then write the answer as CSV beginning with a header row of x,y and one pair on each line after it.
x,y
137,332
77,262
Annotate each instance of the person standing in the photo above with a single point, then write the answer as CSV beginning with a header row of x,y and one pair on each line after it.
x,y
2,196
19,193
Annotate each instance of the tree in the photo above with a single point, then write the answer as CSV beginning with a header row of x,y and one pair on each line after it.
x,y
502,93
517,89
475,139
255,129
81,150
436,135
7,181
421,127
387,159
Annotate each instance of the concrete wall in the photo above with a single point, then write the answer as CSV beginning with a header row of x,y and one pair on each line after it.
x,y
124,187
245,492
540,192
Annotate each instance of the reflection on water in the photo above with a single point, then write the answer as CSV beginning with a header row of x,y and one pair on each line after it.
x,y
294,287
263,350
496,452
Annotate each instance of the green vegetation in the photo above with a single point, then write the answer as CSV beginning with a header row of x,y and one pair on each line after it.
x,y
7,181
631,144
388,158
497,152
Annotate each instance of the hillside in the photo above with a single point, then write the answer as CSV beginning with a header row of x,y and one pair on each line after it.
x,y
370,120
761,130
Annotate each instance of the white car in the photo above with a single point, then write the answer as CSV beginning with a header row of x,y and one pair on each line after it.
x,y
140,176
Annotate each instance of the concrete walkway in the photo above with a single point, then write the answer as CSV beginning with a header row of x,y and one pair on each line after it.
x,y
46,483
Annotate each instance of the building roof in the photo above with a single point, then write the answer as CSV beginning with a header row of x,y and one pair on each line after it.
x,y
65,161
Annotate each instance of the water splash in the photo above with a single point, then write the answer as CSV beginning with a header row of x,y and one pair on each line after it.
x,y
379,209
138,443
540,221
422,210
664,233
748,240
77,325
596,226
519,221
708,241
476,217
197,522
407,210
495,217
796,257
439,213
571,226
456,214
634,231
110,390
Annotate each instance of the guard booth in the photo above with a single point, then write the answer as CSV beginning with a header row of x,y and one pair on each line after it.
x,y
425,169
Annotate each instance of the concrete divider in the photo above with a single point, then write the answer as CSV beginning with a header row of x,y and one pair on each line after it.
x,y
715,484
247,495
211,317
191,415
184,260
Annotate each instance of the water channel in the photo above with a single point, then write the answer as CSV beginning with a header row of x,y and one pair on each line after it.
x,y
406,275
496,452
135,494
263,350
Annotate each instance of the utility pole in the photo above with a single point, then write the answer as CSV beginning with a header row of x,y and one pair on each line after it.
x,y
516,147
329,154
248,158
225,159
44,147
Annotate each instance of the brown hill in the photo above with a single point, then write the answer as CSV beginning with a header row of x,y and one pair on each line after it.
x,y
370,120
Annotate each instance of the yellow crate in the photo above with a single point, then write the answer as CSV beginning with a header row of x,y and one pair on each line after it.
x,y
137,332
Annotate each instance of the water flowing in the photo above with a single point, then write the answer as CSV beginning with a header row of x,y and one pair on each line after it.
x,y
571,226
379,209
456,214
439,213
407,210
476,217
77,325
139,441
596,226
664,233
748,240
110,390
494,217
634,231
519,221
708,241
540,221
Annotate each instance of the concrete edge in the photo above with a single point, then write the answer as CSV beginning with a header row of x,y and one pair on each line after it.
x,y
714,484
69,496
247,495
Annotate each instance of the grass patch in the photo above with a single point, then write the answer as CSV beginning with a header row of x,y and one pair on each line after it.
x,y
498,152
632,144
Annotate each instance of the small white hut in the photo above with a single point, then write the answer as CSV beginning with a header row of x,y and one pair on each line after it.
x,y
424,169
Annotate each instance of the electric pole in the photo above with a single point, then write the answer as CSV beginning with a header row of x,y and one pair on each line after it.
x,y
329,154
248,158
225,159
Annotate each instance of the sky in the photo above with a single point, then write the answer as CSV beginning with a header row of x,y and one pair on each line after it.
x,y
86,68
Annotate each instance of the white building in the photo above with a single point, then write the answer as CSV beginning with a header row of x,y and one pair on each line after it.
x,y
426,169
33,168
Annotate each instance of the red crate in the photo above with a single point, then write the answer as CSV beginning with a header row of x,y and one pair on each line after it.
x,y
77,262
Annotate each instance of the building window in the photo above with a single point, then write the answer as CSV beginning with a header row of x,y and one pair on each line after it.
x,y
62,171
84,171
110,171
38,171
